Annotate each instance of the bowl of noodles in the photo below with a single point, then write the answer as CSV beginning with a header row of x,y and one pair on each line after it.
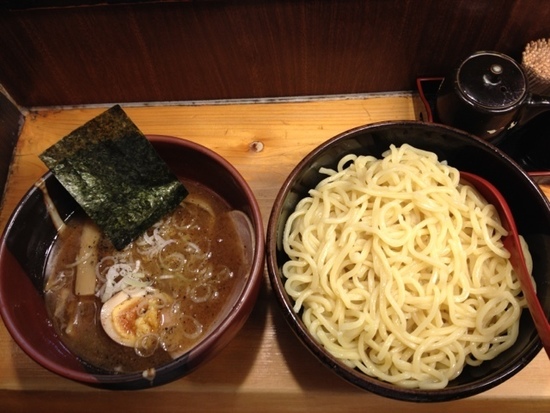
x,y
390,269
161,306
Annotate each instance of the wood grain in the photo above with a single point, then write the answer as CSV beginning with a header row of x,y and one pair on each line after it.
x,y
147,51
265,368
10,121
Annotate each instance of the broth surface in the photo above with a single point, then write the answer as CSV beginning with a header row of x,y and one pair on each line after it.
x,y
194,259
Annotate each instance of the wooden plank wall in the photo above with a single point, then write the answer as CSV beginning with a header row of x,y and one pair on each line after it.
x,y
58,53
11,120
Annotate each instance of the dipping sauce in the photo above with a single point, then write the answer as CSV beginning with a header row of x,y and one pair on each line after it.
x,y
155,299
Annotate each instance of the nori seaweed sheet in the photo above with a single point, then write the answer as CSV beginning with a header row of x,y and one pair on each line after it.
x,y
116,176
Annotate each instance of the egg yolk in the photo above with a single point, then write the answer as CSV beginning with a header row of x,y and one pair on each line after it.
x,y
136,317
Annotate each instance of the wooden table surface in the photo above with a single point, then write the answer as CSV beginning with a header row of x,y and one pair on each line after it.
x,y
265,368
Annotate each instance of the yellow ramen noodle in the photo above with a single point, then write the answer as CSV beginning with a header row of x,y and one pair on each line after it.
x,y
399,269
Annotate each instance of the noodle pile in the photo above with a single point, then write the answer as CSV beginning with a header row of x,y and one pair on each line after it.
x,y
399,269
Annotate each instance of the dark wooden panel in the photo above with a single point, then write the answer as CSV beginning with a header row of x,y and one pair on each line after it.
x,y
181,50
10,123
41,4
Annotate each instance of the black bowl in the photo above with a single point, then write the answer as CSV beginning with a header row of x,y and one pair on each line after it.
x,y
29,235
465,152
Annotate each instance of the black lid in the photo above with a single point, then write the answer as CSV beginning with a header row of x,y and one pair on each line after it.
x,y
492,80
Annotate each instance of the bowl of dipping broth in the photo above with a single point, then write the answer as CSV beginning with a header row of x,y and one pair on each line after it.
x,y
392,272
162,306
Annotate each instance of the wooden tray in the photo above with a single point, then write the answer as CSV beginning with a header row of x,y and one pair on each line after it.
x,y
265,368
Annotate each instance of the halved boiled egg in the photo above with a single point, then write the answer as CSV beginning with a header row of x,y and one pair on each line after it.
x,y
129,316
